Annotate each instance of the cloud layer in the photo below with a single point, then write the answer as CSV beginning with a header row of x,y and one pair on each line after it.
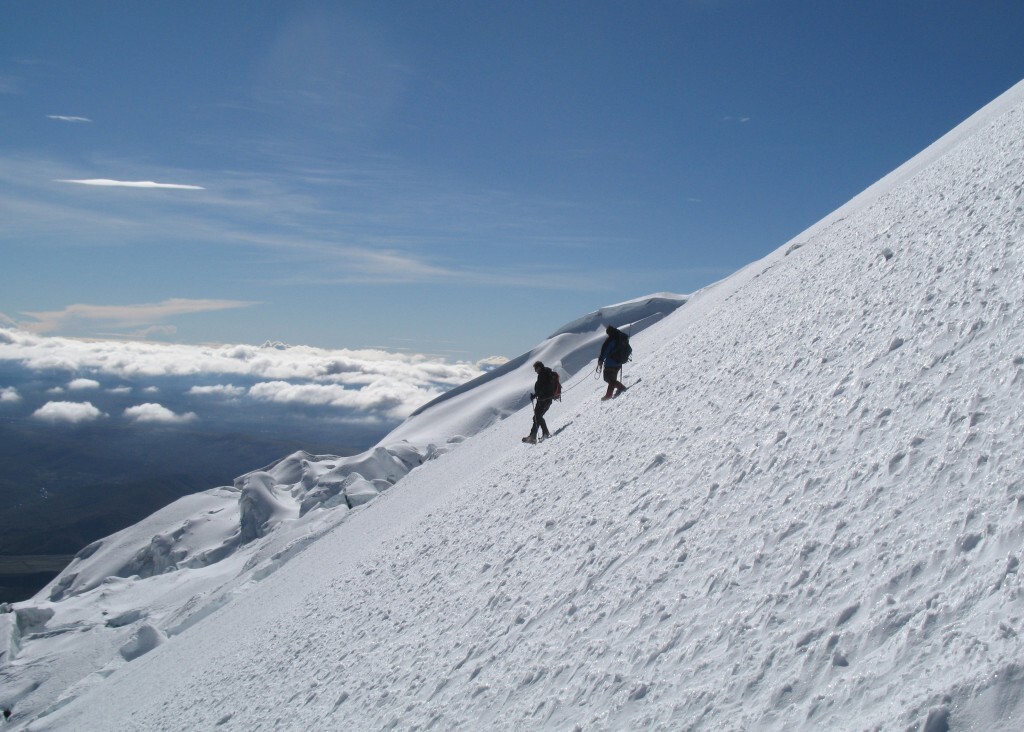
x,y
232,381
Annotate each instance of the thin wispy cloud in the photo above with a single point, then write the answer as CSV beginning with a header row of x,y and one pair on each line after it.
x,y
67,118
388,228
221,390
124,316
131,184
10,84
144,333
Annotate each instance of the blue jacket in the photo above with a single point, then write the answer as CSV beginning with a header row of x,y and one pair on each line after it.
x,y
605,358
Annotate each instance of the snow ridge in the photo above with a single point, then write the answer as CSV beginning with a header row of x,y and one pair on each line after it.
x,y
809,515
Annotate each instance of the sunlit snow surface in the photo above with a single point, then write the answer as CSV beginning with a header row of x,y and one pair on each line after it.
x,y
126,594
808,515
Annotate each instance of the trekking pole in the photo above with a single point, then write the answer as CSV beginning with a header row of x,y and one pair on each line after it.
x,y
628,329
622,366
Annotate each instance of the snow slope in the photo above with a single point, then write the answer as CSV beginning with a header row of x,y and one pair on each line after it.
x,y
127,593
809,515
571,350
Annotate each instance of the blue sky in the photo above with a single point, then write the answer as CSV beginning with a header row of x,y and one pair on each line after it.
x,y
452,178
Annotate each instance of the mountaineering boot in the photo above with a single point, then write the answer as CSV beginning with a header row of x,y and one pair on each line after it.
x,y
530,439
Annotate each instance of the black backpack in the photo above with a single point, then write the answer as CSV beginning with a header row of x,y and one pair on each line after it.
x,y
622,351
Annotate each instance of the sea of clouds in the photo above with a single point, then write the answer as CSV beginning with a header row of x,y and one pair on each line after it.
x,y
69,381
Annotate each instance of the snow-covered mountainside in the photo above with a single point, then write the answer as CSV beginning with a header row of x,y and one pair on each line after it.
x,y
159,577
288,498
808,515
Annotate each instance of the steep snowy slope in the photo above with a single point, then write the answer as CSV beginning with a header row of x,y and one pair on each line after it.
x,y
467,409
126,594
809,515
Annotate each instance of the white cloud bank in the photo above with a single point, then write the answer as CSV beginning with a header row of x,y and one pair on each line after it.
x,y
134,359
132,184
394,398
67,412
379,384
9,395
151,413
68,118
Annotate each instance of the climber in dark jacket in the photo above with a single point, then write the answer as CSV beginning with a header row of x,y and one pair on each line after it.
x,y
611,365
544,393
